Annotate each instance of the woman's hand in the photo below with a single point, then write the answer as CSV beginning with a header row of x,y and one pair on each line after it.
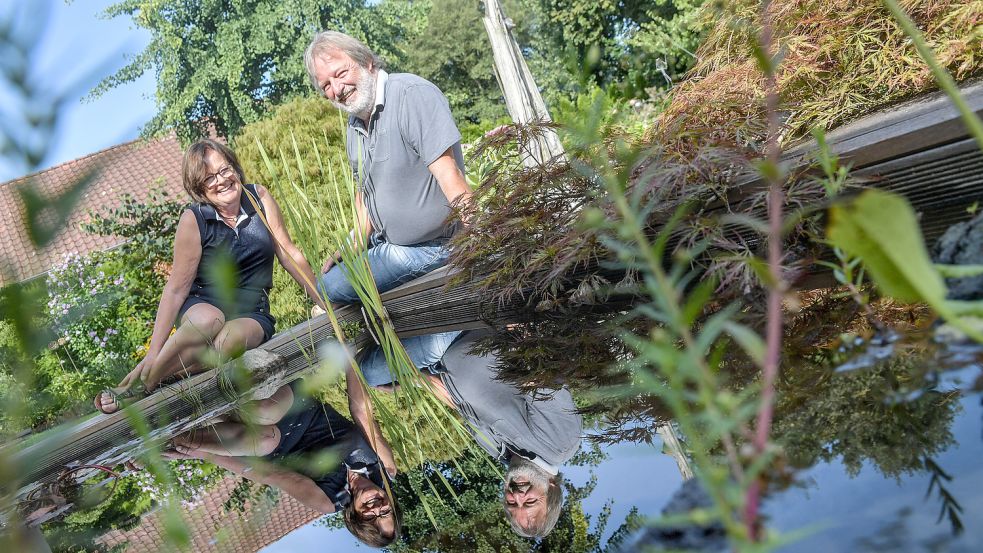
x,y
139,373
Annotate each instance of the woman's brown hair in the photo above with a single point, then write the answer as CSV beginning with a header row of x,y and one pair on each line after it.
x,y
194,170
366,531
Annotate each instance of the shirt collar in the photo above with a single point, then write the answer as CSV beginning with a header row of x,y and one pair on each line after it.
x,y
539,462
552,469
380,88
242,215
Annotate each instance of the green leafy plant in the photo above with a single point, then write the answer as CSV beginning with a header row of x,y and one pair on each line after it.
x,y
881,229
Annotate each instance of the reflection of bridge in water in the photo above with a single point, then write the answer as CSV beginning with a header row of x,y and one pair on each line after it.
x,y
919,149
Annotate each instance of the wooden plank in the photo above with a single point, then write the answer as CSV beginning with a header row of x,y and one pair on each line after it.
x,y
909,128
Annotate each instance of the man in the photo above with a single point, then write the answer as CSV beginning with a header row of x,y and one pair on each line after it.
x,y
534,433
283,446
405,154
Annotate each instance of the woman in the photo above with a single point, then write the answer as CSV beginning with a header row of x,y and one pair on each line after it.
x,y
233,226
283,445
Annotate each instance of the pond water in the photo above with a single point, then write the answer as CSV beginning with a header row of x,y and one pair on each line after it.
x,y
874,511
884,454
882,449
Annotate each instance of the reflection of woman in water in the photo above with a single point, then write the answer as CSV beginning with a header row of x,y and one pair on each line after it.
x,y
290,430
232,221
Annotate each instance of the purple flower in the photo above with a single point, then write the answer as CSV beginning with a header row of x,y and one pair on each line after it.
x,y
92,334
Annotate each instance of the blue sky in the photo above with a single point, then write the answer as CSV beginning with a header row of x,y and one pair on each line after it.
x,y
78,42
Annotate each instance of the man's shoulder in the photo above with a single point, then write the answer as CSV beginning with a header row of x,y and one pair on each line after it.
x,y
407,83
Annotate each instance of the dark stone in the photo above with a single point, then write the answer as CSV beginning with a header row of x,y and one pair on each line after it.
x,y
962,244
711,538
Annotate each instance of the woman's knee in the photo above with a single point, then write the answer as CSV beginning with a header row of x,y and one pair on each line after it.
x,y
272,409
205,320
268,439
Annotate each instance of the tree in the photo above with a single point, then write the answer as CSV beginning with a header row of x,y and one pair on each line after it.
x,y
608,42
224,62
453,52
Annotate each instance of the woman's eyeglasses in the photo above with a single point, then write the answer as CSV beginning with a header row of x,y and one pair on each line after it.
x,y
372,504
211,180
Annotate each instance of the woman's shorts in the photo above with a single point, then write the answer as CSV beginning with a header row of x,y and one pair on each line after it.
x,y
261,314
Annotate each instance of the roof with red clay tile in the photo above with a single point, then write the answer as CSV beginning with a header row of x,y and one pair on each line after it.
x,y
133,168
212,529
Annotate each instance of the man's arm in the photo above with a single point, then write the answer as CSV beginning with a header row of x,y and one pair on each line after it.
x,y
362,230
450,178
294,484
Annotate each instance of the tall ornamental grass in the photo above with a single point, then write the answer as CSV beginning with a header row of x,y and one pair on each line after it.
x,y
418,426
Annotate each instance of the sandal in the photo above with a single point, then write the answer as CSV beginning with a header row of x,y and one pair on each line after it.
x,y
119,399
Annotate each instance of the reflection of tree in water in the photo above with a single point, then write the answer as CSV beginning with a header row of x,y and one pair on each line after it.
x,y
580,348
475,521
886,414
895,537
869,414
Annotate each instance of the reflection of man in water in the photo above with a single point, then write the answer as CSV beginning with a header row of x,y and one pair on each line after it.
x,y
291,430
534,433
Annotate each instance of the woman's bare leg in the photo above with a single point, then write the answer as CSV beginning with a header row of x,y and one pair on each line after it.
x,y
199,328
257,437
237,336
233,439
269,410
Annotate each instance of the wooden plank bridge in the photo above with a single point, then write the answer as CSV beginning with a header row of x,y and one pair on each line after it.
x,y
919,149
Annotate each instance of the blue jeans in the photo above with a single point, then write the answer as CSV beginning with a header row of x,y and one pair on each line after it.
x,y
424,351
391,266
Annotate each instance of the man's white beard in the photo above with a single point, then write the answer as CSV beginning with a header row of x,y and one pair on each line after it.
x,y
364,96
524,469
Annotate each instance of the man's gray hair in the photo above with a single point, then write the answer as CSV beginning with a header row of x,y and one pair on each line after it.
x,y
335,40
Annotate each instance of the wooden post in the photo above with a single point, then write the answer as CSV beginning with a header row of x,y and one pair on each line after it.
x,y
674,448
522,97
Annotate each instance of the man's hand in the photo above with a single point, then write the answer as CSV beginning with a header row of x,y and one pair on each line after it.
x,y
329,262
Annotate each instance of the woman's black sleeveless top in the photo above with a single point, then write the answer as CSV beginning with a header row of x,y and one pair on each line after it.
x,y
236,269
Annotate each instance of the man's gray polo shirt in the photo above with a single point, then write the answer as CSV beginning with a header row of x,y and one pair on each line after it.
x,y
543,427
410,128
